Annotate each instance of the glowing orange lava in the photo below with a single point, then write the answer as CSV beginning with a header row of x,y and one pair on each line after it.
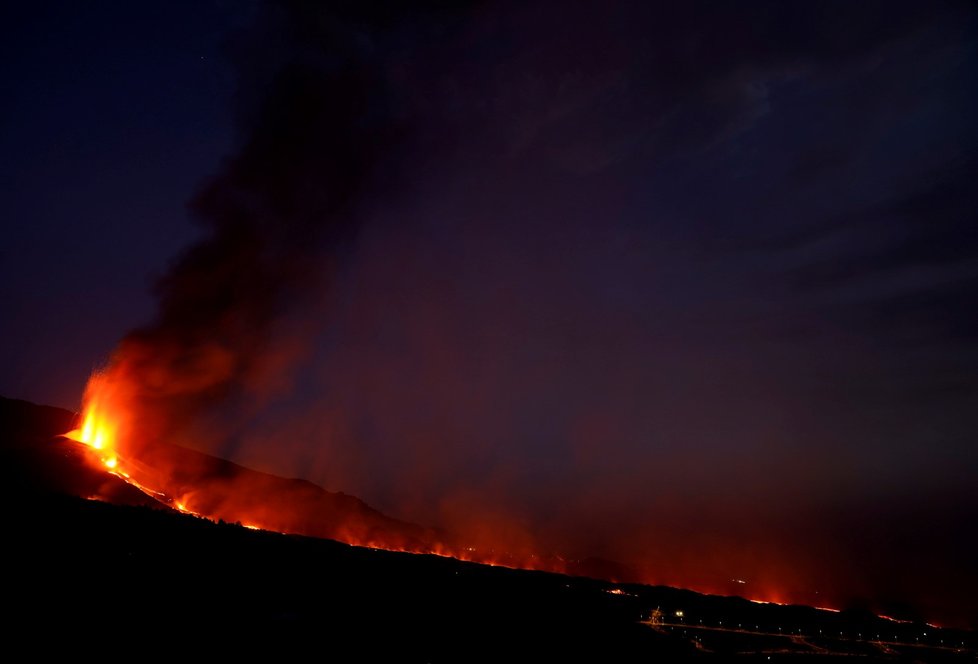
x,y
105,429
100,427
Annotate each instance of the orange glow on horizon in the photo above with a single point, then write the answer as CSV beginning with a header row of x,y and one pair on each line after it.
x,y
103,430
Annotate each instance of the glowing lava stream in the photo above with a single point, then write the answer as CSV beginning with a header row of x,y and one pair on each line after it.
x,y
89,435
100,432
103,426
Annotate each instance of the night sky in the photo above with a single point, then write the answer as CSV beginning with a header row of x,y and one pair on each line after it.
x,y
690,286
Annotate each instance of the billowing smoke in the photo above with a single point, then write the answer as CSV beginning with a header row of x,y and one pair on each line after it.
x,y
314,124
607,295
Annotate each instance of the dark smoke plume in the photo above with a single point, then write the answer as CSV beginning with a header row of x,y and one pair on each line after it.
x,y
559,342
313,126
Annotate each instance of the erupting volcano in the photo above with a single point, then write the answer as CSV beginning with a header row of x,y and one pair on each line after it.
x,y
217,490
220,491
222,343
672,295
100,423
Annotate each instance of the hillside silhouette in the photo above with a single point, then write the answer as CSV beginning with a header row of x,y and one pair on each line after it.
x,y
108,569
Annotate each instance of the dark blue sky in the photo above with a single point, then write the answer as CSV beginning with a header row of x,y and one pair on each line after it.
x,y
629,266
112,115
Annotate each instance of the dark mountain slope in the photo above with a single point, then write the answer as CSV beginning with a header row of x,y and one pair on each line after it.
x,y
95,579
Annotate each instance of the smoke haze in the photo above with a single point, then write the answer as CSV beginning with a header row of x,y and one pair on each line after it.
x,y
686,288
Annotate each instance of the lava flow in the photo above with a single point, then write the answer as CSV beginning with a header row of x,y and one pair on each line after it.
x,y
207,487
198,484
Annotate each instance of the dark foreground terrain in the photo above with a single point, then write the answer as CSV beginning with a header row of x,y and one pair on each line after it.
x,y
138,581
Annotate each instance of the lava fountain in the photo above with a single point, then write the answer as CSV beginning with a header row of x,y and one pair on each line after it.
x,y
218,490
100,422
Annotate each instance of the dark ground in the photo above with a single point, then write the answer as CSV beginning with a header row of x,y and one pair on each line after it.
x,y
138,580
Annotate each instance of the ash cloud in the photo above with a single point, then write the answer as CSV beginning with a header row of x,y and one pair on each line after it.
x,y
314,123
572,322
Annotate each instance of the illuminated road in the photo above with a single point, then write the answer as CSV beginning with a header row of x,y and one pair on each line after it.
x,y
717,639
